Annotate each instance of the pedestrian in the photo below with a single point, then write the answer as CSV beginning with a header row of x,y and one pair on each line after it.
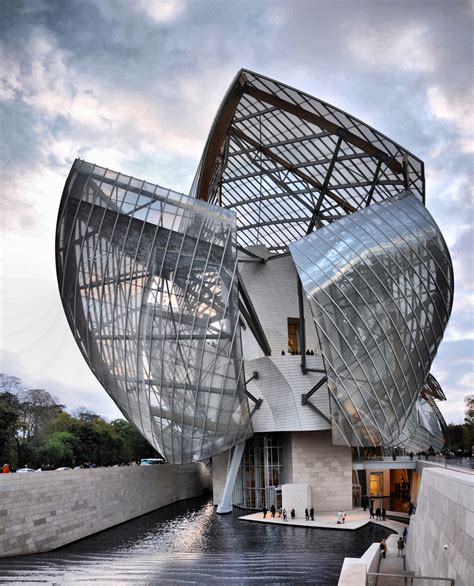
x,y
371,513
280,511
378,513
264,512
364,503
306,514
343,517
339,517
293,513
311,513
411,455
6,469
273,511
405,534
285,518
383,548
410,509
400,546
384,513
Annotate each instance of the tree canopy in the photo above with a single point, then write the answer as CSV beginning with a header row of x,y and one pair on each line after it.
x,y
37,431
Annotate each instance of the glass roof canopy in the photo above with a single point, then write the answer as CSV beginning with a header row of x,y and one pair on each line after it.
x,y
287,162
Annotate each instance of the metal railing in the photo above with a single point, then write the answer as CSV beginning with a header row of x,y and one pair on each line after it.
x,y
408,578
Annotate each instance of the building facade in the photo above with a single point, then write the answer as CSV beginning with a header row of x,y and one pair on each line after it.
x,y
285,312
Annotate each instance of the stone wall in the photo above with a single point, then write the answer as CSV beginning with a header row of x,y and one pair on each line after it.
x,y
326,468
41,511
444,517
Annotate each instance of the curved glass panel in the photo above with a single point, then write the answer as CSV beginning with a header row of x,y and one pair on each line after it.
x,y
380,288
148,281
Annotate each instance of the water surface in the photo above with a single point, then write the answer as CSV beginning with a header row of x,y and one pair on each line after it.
x,y
189,543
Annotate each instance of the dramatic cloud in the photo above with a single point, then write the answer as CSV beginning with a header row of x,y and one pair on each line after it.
x,y
134,86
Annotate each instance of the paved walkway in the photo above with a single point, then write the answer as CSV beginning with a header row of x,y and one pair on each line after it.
x,y
391,564
355,519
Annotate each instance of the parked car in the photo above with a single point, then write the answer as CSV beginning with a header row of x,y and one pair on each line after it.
x,y
151,461
63,468
25,469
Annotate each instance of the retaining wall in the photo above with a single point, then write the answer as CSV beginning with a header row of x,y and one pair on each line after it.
x,y
444,517
40,511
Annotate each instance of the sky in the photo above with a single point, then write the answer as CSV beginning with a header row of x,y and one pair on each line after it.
x,y
134,85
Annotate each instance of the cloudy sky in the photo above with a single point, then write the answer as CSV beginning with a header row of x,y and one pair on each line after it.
x,y
133,85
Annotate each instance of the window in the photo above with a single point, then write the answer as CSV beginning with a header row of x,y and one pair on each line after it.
x,y
293,335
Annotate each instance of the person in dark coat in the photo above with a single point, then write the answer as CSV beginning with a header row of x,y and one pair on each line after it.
x,y
264,512
306,514
384,513
273,511
311,513
401,547
378,513
383,548
371,513
292,513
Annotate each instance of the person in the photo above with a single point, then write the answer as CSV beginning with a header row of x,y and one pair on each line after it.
x,y
405,534
339,517
343,517
283,353
384,513
410,509
280,511
400,546
307,353
383,548
378,513
293,513
285,517
6,469
364,504
273,511
411,455
371,513
312,353
306,514
264,512
311,513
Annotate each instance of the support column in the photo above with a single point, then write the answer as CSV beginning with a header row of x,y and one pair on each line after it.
x,y
225,506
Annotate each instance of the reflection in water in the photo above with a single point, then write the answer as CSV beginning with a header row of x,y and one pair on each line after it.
x,y
188,542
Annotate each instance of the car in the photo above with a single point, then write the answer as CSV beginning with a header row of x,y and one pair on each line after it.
x,y
63,468
25,469
151,461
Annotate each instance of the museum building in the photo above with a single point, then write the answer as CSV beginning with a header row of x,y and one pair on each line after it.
x,y
281,319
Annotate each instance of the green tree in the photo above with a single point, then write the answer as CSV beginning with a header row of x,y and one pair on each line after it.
x,y
9,415
57,450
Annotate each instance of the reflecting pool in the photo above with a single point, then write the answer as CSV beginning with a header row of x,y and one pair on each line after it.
x,y
188,542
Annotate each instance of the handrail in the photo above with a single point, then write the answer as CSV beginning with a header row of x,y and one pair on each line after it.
x,y
411,576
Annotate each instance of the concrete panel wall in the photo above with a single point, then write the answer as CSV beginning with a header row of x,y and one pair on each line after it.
x,y
273,290
44,510
444,516
326,468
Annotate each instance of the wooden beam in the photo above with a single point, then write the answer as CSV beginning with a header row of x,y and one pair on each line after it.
x,y
217,136
321,122
284,163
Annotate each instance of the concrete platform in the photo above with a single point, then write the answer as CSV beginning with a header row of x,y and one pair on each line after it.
x,y
355,519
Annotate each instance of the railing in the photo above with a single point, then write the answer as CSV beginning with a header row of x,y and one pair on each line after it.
x,y
408,578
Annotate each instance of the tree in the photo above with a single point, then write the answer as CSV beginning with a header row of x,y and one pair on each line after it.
x,y
57,450
9,415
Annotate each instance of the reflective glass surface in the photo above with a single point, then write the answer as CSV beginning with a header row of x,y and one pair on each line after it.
x,y
148,281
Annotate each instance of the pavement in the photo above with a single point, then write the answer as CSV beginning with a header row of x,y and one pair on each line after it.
x,y
355,519
392,564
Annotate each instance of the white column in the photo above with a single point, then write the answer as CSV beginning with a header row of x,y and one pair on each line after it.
x,y
225,506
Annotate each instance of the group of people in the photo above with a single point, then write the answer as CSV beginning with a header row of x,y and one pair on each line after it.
x,y
282,513
294,353
379,514
400,544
